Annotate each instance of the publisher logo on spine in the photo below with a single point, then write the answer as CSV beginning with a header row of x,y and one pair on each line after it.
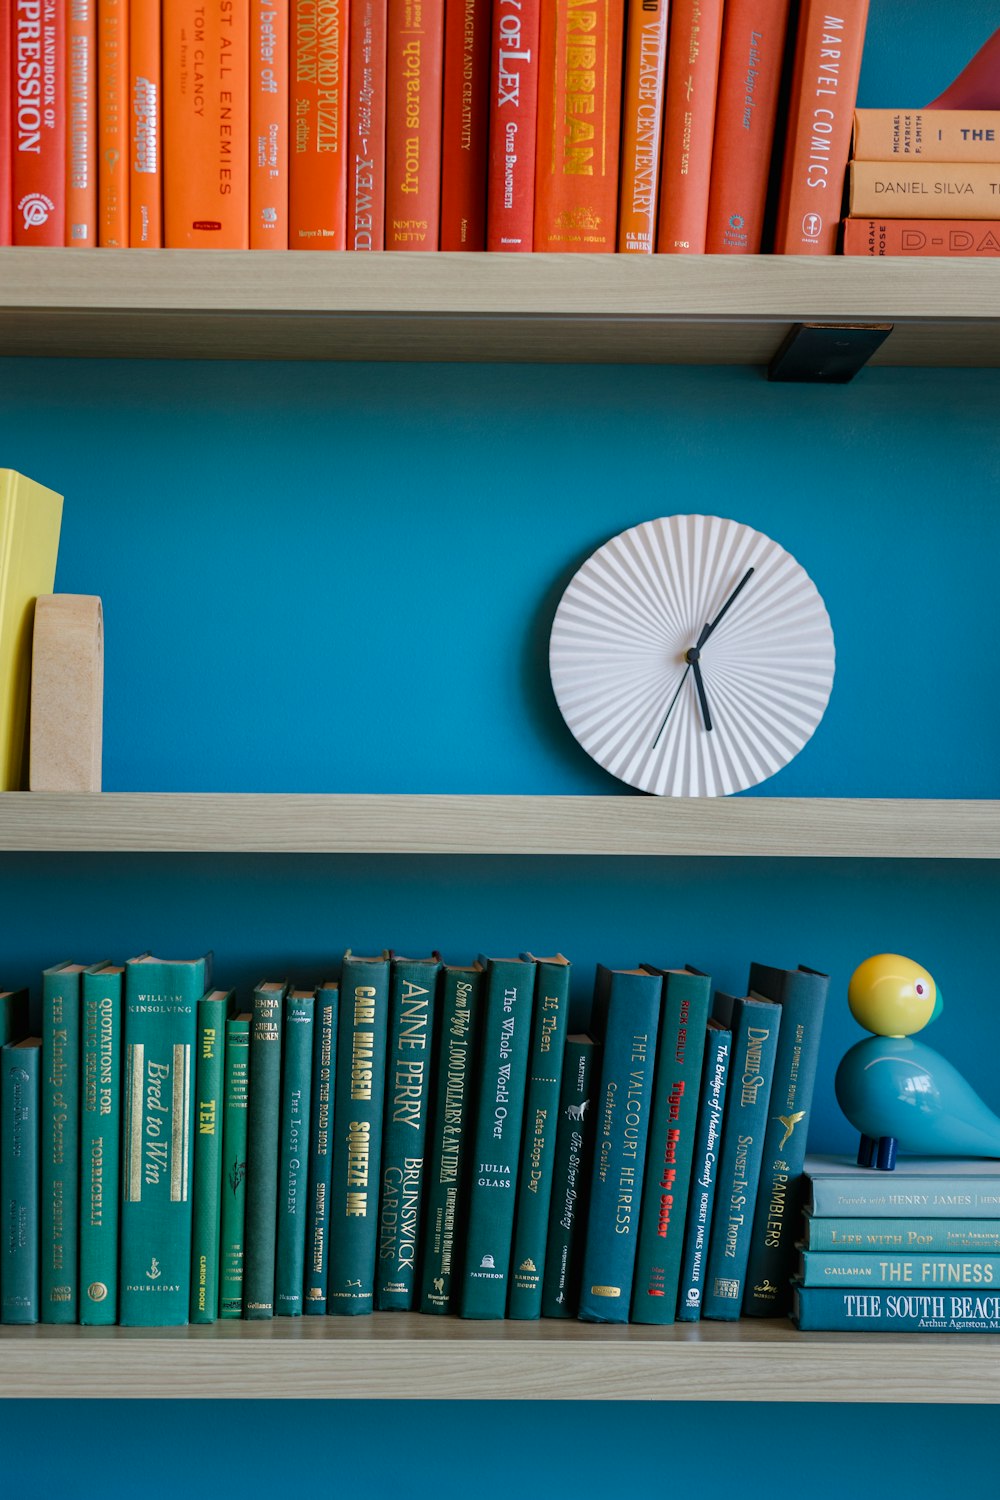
x,y
35,209
812,226
97,1291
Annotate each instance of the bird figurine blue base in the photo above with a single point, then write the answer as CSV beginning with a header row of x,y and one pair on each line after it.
x,y
901,1094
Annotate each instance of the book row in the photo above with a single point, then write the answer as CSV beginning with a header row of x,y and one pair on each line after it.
x,y
503,125
411,1135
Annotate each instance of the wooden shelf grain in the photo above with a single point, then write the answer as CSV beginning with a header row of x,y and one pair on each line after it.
x,y
453,824
183,304
404,1356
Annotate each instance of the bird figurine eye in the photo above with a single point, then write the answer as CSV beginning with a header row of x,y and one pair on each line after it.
x,y
920,987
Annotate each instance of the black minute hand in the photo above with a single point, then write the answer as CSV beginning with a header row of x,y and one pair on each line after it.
x,y
712,623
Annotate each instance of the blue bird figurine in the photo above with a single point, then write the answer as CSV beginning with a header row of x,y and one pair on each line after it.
x,y
899,1093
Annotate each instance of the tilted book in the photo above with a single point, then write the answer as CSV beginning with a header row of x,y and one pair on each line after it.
x,y
317,1268
30,519
20,1151
210,1061
822,1307
100,1141
570,1179
938,1187
260,1226
236,1095
293,1161
701,1197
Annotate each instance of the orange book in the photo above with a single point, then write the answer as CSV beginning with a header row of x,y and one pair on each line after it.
x,y
753,49
689,126
366,126
924,189
145,126
112,124
317,158
510,211
934,134
642,124
465,124
206,124
828,52
579,124
6,117
414,66
269,66
947,237
38,175
81,124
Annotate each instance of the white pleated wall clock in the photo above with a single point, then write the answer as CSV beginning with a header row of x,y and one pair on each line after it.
x,y
691,656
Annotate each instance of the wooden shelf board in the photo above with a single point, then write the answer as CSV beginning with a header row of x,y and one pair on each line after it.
x,y
406,1356
559,308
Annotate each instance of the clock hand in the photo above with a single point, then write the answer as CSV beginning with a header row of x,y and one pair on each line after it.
x,y
670,705
712,623
699,683
692,661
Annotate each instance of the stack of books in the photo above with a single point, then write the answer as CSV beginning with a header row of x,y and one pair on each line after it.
x,y
913,1250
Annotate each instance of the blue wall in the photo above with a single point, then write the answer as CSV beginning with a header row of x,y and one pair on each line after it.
x,y
280,619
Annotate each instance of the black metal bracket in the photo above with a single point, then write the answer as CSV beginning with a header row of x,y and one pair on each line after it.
x,y
827,353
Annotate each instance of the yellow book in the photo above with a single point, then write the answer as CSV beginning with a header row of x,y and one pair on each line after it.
x,y
30,517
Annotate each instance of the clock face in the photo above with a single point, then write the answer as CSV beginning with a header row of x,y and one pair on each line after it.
x,y
691,656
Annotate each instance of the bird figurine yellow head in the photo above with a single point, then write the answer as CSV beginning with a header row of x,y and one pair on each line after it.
x,y
892,996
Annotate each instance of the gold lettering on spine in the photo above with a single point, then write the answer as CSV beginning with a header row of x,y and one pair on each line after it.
x,y
133,1171
179,1125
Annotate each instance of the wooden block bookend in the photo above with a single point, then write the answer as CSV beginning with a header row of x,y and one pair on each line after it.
x,y
67,694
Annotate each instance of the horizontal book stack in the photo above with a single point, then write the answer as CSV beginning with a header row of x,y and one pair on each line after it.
x,y
916,1250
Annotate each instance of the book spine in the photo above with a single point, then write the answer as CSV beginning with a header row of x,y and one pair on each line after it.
x,y
234,1167
946,237
689,126
100,1145
366,84
934,134
538,1144
510,173
210,1061
818,133
701,1199
269,124
496,1137
293,1182
359,1097
755,1036
623,1104
318,155
145,126
820,1308
60,1187
465,125
869,1195
6,116
263,1143
317,1267
750,65
446,1187
673,1121
414,66
81,124
39,126
924,189
579,126
642,125
896,1236
113,151
20,1161
906,1272
571,1180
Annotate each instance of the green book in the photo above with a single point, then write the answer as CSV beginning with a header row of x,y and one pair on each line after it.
x,y
60,1186
459,1014
538,1144
235,1098
20,1153
100,1142
209,1074
412,992
496,1136
159,1039
571,1179
359,1096
317,1269
293,1160
263,1147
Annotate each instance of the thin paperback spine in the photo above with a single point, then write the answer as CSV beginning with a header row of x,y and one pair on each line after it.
x,y
269,124
701,1198
366,125
100,1142
113,149
20,1163
642,125
234,1165
60,1103
144,126
571,1179
510,214
293,1165
465,124
263,1142
209,1089
81,125
317,1268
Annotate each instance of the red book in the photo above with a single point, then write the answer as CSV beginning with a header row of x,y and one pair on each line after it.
x,y
414,66
81,124
112,123
6,116
642,124
753,47
269,124
828,52
145,186
465,124
947,237
689,126
39,103
510,219
317,167
366,126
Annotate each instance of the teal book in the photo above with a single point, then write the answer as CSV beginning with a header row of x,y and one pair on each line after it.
x,y
232,1216
409,1055
359,1099
446,1188
496,1135
938,1187
100,1142
20,1169
159,1040
317,1269
920,1273
60,1191
801,993
13,1016
627,1011
263,1147
823,1308
680,1051
293,1161
209,1074
756,1024
538,1136
899,1236
704,1170
571,1179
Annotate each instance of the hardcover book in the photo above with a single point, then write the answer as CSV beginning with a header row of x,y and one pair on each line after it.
x,y
38,145
263,1144
821,1308
919,189
935,134
209,1073
510,217
414,67
232,1216
6,113
81,137
571,1179
13,1015
100,1141
879,1269
144,126
318,152
293,1165
946,237
642,122
20,1152
269,124
317,1268
59,1226
30,518
366,125
113,96
900,1236
689,125
927,1187
701,1199
465,124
